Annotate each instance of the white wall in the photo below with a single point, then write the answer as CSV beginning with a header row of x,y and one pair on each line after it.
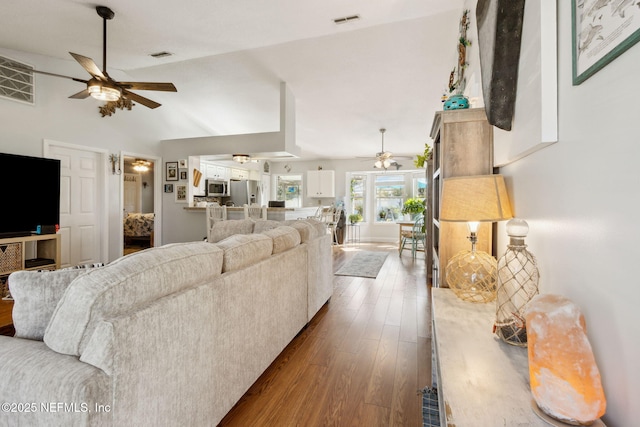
x,y
580,197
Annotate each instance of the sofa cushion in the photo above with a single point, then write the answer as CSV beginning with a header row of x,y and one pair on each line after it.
x,y
264,225
321,227
283,237
36,295
307,231
125,284
223,229
242,250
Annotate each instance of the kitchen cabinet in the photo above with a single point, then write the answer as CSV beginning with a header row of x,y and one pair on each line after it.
x,y
254,175
239,173
214,171
321,183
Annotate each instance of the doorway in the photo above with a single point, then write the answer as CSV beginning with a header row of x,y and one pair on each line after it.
x,y
139,202
82,202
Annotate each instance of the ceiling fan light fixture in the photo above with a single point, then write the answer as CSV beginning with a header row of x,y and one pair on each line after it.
x,y
240,158
141,165
103,92
384,159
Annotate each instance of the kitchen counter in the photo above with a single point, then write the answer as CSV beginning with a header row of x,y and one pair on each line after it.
x,y
237,212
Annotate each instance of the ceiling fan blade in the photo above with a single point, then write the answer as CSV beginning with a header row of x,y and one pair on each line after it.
x,y
167,87
80,95
90,66
140,99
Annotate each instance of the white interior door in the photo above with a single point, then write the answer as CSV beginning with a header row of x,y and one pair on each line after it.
x,y
132,197
81,207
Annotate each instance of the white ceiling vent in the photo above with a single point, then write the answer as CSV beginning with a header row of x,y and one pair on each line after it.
x,y
17,85
162,54
346,19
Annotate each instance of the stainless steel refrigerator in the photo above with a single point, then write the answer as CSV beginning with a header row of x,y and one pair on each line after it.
x,y
244,192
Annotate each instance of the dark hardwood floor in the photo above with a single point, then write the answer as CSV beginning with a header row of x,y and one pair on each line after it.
x,y
360,361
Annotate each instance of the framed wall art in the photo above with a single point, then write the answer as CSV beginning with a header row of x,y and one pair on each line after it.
x,y
183,175
181,193
168,188
172,171
601,31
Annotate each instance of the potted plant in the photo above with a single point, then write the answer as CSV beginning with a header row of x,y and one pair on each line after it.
x,y
421,158
413,206
355,218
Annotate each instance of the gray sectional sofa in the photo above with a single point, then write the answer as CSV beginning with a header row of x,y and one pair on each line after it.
x,y
172,335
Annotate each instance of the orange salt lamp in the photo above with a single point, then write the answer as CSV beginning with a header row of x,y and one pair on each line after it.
x,y
565,380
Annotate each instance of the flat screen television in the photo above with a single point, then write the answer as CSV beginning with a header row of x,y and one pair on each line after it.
x,y
30,195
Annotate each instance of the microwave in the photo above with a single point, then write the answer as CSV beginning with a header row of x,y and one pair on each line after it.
x,y
217,188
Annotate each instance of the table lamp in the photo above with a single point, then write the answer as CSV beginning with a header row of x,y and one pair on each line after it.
x,y
472,274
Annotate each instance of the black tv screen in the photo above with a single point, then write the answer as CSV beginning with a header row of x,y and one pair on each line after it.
x,y
30,195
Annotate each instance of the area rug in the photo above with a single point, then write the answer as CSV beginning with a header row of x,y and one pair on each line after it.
x,y
363,264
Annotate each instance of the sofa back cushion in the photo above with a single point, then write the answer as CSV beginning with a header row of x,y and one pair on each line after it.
x,y
264,225
223,229
321,227
306,230
242,250
124,285
284,238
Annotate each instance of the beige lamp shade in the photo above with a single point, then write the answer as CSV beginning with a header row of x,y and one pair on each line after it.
x,y
475,198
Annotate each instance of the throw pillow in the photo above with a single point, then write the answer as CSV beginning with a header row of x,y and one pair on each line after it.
x,y
36,295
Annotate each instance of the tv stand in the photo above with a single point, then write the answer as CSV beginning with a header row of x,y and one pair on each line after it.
x,y
31,252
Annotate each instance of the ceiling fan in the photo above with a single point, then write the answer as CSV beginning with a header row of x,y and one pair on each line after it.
x,y
101,86
384,159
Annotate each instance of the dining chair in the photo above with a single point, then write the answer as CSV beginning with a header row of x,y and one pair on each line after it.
x,y
214,213
255,211
416,237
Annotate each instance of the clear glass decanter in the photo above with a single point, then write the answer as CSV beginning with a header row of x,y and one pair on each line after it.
x,y
518,278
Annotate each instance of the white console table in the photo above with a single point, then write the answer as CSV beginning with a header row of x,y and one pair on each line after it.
x,y
481,380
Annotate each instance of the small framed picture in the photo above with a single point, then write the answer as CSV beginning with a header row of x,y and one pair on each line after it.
x,y
183,175
168,188
172,171
182,163
181,193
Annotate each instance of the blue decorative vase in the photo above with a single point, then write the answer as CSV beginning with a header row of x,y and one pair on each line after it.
x,y
456,102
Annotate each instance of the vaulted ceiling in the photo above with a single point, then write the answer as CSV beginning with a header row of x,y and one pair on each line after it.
x,y
386,69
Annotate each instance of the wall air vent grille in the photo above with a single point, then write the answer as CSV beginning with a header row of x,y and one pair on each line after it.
x,y
17,85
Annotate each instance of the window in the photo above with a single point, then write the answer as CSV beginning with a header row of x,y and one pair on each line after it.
x,y
358,189
420,187
389,197
380,196
289,189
